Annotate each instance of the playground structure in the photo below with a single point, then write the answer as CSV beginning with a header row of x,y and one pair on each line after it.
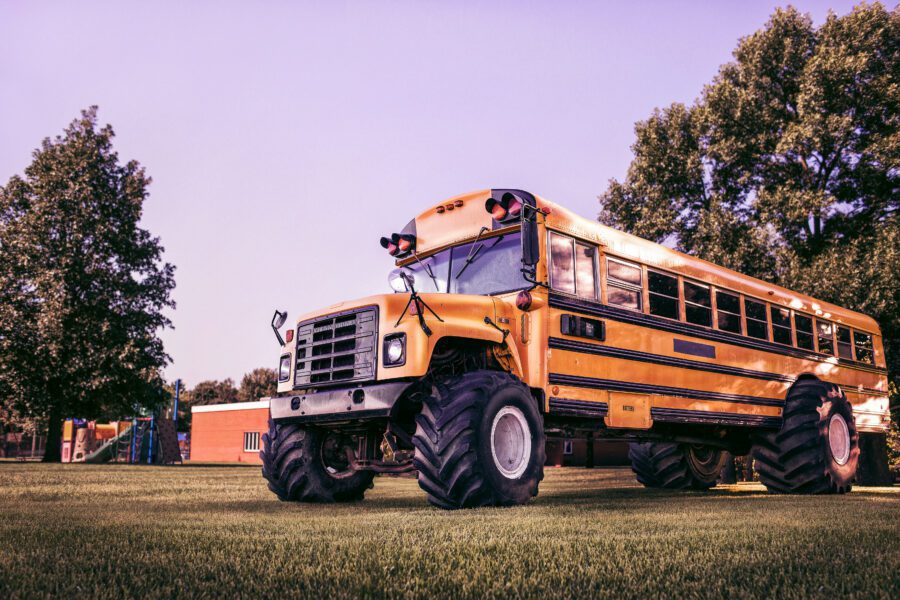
x,y
140,440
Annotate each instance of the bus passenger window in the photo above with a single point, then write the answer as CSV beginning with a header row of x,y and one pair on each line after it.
x,y
826,336
585,268
863,343
728,311
562,263
663,295
697,304
804,332
757,323
781,325
845,346
623,284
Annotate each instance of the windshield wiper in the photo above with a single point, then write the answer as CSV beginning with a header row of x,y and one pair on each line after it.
x,y
419,303
473,252
428,271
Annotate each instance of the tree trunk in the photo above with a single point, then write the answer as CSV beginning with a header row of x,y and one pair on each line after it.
x,y
54,435
873,460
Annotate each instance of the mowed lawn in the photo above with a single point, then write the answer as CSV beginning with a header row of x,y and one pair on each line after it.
x,y
214,531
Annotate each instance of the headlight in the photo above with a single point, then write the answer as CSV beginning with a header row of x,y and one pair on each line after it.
x,y
284,368
395,350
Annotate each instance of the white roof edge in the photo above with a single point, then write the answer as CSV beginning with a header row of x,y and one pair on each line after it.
x,y
263,403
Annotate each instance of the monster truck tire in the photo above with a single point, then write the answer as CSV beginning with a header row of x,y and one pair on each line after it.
x,y
479,441
816,451
676,466
294,466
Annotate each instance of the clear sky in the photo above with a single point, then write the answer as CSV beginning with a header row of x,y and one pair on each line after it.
x,y
284,138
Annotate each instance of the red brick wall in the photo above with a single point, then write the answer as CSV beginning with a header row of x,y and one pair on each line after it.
x,y
219,436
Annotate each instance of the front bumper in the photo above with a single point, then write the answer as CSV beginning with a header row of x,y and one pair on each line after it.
x,y
341,404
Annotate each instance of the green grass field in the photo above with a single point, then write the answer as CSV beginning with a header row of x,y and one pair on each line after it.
x,y
214,531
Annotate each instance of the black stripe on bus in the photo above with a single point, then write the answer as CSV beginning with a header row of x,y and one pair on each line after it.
x,y
644,388
635,318
669,361
684,363
568,407
678,415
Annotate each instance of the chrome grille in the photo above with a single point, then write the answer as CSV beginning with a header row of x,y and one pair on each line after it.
x,y
337,348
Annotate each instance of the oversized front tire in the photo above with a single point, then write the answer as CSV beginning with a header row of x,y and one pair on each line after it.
x,y
817,449
308,464
479,441
675,466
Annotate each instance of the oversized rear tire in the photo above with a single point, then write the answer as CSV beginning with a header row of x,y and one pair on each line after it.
x,y
479,441
304,464
817,449
675,466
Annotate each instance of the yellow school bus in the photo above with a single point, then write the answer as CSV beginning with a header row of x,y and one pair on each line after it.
x,y
512,320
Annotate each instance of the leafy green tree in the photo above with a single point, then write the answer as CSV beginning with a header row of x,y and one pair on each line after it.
x,y
82,286
213,392
258,383
787,166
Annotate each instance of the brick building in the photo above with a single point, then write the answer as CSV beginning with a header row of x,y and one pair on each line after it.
x,y
229,432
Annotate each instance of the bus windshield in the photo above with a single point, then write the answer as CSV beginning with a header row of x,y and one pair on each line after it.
x,y
486,267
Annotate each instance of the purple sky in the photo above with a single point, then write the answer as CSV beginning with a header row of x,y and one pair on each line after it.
x,y
285,138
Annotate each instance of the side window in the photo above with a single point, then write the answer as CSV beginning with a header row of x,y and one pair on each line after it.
x,y
863,343
697,304
781,325
804,332
825,331
585,269
757,323
623,284
728,311
562,263
572,266
844,345
663,295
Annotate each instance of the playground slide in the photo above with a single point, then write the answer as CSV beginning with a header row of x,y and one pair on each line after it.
x,y
107,451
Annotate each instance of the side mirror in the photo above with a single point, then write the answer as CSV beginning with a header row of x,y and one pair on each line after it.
x,y
531,250
397,281
278,320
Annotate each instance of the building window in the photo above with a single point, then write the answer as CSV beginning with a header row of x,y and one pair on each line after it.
x,y
863,343
567,447
844,345
781,325
728,311
623,284
826,336
757,323
251,441
804,332
697,304
663,295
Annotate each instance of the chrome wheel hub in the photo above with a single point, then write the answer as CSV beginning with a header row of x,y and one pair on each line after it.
x,y
510,442
839,439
